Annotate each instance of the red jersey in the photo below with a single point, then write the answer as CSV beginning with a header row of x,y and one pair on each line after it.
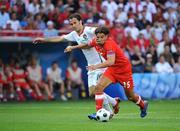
x,y
122,64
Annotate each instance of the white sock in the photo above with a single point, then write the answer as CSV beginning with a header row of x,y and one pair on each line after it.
x,y
1,96
110,99
106,105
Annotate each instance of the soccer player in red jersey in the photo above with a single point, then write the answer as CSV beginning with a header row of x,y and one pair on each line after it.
x,y
118,69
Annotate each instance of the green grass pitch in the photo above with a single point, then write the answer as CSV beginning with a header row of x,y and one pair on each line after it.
x,y
163,115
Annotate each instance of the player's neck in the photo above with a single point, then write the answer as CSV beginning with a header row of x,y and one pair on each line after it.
x,y
81,30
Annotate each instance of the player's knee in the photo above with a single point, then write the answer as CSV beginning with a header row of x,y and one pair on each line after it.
x,y
91,90
99,88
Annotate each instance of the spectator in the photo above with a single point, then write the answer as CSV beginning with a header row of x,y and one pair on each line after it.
x,y
171,3
147,32
148,67
170,16
110,6
117,33
166,40
74,80
4,17
128,44
158,30
15,23
168,56
146,14
36,81
131,28
55,80
121,15
33,7
48,6
40,22
177,54
176,39
138,61
150,6
177,66
50,31
152,50
142,21
142,43
162,66
19,79
130,5
2,80
9,82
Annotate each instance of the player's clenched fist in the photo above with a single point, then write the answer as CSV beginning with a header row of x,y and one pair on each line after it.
x,y
38,40
68,49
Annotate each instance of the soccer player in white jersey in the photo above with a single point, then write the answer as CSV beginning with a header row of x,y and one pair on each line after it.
x,y
82,35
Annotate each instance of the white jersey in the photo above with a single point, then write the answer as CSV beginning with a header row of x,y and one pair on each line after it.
x,y
35,74
55,75
91,55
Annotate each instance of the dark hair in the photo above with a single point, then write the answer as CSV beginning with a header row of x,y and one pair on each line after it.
x,y
103,30
73,61
75,15
54,62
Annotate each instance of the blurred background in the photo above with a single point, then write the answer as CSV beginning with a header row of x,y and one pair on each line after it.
x,y
148,31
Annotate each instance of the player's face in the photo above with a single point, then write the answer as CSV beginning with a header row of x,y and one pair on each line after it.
x,y
75,24
101,38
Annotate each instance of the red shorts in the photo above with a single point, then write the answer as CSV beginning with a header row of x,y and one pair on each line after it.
x,y
125,79
23,85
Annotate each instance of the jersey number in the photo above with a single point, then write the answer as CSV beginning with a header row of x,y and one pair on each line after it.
x,y
126,84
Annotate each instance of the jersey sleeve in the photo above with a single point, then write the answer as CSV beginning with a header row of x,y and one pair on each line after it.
x,y
70,36
92,43
110,48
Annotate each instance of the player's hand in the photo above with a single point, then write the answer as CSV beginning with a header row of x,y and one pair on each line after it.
x,y
68,49
91,67
38,40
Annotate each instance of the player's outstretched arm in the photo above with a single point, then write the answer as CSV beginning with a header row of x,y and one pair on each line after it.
x,y
81,46
52,39
110,61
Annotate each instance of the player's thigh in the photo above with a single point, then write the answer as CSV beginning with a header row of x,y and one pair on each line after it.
x,y
92,81
128,86
102,83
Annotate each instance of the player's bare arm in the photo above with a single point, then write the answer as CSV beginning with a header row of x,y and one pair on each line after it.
x,y
81,46
52,39
110,61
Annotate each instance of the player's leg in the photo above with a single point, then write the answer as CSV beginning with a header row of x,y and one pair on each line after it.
x,y
62,91
92,81
46,88
103,82
128,87
1,91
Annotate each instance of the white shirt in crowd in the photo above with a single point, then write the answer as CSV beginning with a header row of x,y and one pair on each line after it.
x,y
172,4
34,9
160,48
111,8
147,34
75,75
130,5
163,67
134,31
55,75
35,74
3,19
15,25
150,7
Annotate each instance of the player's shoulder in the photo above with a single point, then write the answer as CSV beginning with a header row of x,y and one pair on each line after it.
x,y
89,28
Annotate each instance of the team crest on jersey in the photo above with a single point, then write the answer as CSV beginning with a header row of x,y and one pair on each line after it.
x,y
85,36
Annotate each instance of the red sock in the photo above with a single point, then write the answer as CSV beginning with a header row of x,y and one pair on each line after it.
x,y
20,95
33,94
99,98
140,102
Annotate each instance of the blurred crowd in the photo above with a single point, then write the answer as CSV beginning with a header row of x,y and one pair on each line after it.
x,y
147,30
23,81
